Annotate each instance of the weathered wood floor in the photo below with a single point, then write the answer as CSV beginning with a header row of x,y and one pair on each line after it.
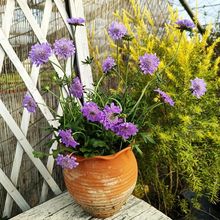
x,y
63,207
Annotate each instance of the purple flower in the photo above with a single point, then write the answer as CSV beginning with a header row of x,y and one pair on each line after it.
x,y
166,98
64,48
92,112
40,53
108,64
67,139
110,116
185,25
29,103
76,88
117,30
76,21
126,130
198,87
66,162
149,63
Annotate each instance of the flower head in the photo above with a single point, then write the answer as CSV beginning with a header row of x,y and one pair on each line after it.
x,y
185,24
126,130
166,98
29,103
76,88
76,21
198,87
117,30
149,63
92,112
108,64
40,53
64,48
110,116
66,162
67,139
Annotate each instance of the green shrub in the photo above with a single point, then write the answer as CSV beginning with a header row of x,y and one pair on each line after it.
x,y
182,143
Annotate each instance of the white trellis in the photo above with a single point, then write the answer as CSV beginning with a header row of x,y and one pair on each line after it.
x,y
20,132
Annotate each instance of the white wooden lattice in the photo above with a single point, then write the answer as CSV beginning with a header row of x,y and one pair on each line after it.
x,y
20,132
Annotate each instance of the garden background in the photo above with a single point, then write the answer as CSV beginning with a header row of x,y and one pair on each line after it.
x,y
99,15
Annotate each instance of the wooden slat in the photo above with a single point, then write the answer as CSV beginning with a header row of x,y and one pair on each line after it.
x,y
27,80
76,8
63,207
27,147
39,34
50,164
64,15
7,184
6,24
26,117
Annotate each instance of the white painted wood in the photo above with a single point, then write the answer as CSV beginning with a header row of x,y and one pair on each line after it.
x,y
64,15
27,148
50,163
27,80
6,24
85,75
64,207
76,8
26,117
7,184
39,34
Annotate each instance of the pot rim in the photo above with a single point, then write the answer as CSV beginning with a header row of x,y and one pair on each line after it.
x,y
106,157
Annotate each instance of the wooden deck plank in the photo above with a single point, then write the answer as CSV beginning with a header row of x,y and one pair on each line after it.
x,y
64,207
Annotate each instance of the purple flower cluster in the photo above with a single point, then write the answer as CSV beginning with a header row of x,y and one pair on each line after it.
x,y
109,118
126,130
108,64
64,48
76,21
66,162
76,88
185,24
40,53
67,139
117,30
149,63
198,87
29,103
91,111
166,98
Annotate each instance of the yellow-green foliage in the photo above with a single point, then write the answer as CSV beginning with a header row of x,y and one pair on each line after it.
x,y
186,155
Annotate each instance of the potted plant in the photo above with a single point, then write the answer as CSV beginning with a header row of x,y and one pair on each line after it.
x,y
98,133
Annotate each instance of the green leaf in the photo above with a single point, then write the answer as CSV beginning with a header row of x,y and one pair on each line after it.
x,y
98,143
39,154
136,148
147,138
85,149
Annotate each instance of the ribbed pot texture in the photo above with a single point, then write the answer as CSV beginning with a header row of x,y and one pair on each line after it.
x,y
102,184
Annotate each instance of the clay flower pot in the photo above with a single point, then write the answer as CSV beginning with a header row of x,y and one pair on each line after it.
x,y
102,184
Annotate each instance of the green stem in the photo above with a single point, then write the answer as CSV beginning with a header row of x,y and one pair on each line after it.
x,y
116,102
62,98
144,114
97,86
53,94
126,76
60,67
141,96
79,132
49,108
173,58
118,58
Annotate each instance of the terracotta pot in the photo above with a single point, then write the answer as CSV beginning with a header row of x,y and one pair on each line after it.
x,y
102,184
